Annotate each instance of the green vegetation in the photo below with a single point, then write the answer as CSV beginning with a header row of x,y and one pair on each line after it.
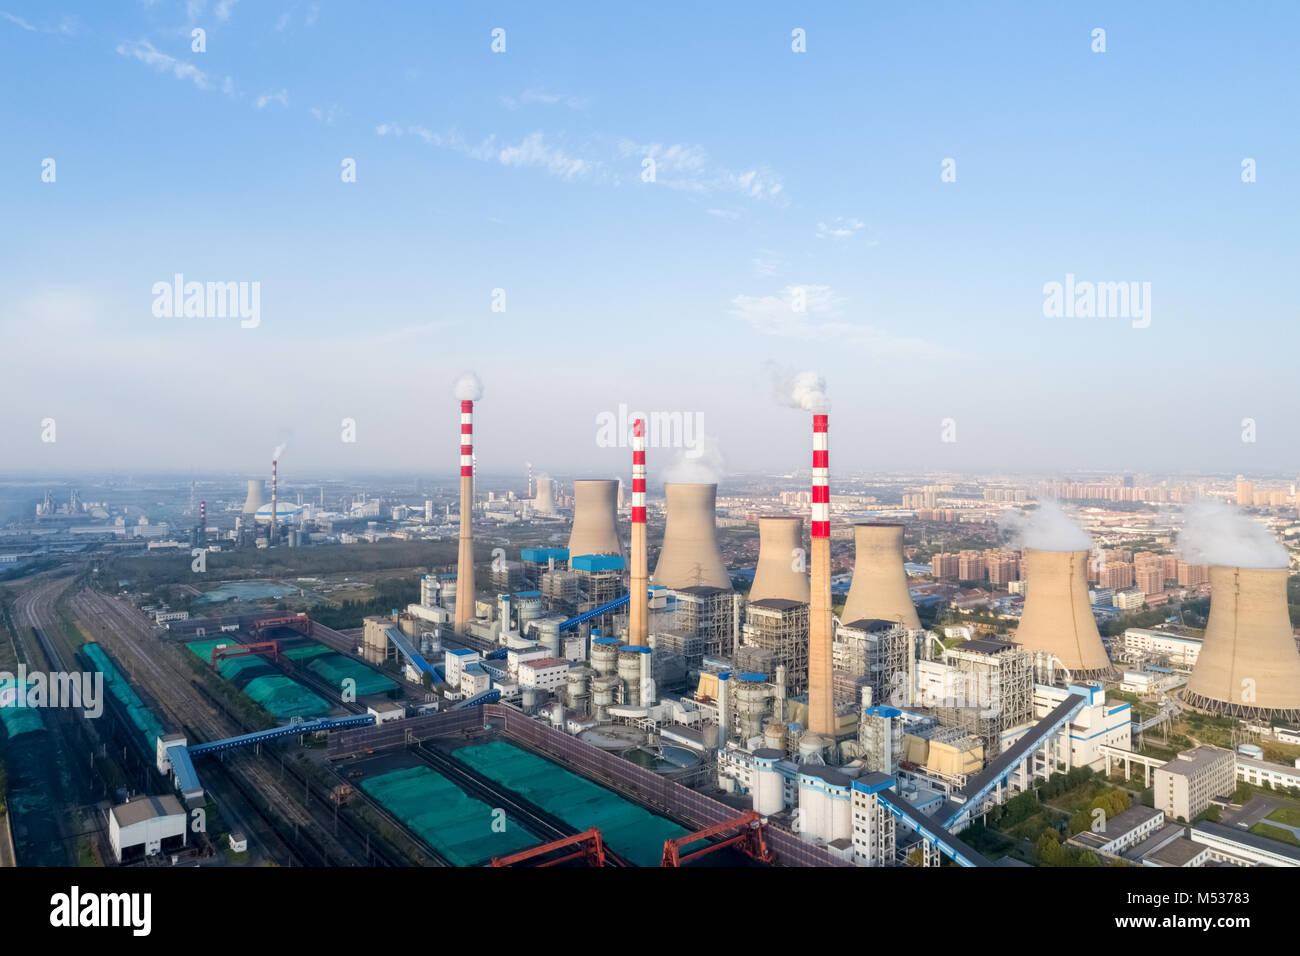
x,y
1275,833
1050,851
1111,802
389,593
1287,815
1211,813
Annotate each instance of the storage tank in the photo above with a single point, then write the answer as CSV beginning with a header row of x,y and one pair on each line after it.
x,y
602,696
751,692
774,735
629,672
604,655
531,698
576,689
769,796
548,635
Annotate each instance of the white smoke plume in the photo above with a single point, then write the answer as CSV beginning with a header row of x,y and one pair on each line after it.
x,y
279,450
805,390
701,464
469,388
1047,528
1216,533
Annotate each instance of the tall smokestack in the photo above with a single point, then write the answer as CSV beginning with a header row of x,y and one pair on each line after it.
x,y
1248,666
595,518
465,560
1057,616
821,712
779,538
530,479
203,516
879,589
274,467
690,556
638,624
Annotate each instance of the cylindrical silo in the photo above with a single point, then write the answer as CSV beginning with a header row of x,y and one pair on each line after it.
x,y
768,786
782,560
751,693
629,672
690,556
595,518
604,655
879,589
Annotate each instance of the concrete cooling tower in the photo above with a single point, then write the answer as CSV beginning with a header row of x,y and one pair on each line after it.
x,y
256,496
595,518
775,577
544,502
879,589
1058,617
690,556
1248,665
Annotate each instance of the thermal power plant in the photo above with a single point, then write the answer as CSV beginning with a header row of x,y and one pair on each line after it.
x,y
638,617
1248,665
544,500
821,709
595,518
465,590
690,556
1058,617
256,496
879,589
779,574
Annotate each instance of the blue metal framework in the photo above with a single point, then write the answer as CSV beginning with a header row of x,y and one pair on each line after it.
x,y
288,730
407,649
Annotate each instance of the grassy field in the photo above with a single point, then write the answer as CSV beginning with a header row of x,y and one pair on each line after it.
x,y
1275,833
1288,815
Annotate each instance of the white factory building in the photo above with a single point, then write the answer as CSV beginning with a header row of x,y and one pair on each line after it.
x,y
147,826
544,673
1099,722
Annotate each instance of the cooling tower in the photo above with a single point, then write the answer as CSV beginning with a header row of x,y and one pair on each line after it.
x,y
821,707
638,621
1248,665
595,518
780,552
465,591
256,496
1058,617
879,589
544,502
690,556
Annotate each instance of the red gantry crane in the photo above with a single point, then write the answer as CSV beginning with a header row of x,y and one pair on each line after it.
x,y
590,847
748,838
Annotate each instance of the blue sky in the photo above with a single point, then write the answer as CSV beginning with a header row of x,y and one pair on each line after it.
x,y
775,171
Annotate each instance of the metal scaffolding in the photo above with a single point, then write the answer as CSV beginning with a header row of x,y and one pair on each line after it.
x,y
780,627
997,680
708,613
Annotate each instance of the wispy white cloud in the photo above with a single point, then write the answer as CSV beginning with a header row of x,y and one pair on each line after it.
x,y
766,264
223,8
144,51
543,98
266,99
815,313
534,150
327,116
840,228
723,213
17,21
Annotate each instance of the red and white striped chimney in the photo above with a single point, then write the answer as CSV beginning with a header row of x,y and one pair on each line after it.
x,y
465,592
638,625
821,712
203,515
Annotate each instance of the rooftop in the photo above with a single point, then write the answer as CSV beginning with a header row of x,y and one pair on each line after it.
x,y
1195,760
141,809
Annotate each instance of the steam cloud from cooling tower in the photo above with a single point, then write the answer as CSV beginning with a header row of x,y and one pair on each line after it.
x,y
468,388
1048,528
701,465
1217,534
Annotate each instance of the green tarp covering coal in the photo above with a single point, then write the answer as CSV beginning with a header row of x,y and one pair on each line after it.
x,y
262,683
633,833
456,825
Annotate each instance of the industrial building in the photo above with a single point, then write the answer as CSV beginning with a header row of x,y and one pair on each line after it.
x,y
147,826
